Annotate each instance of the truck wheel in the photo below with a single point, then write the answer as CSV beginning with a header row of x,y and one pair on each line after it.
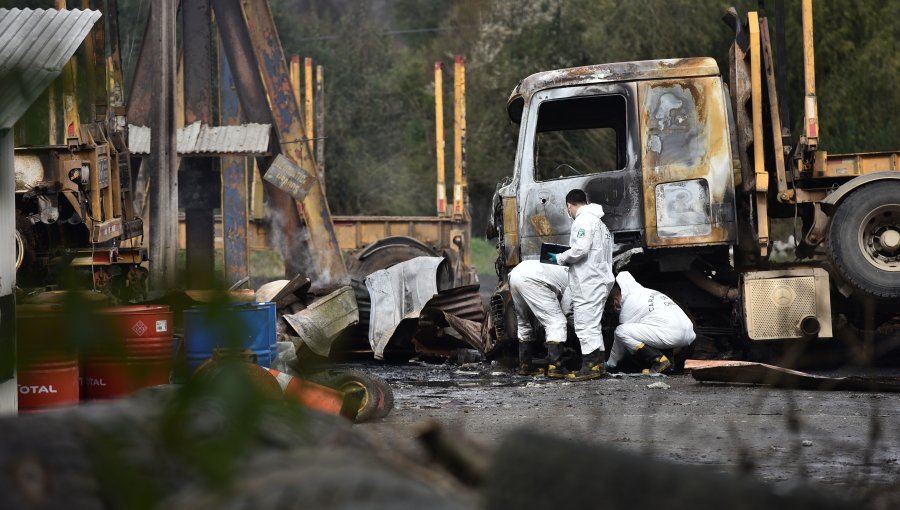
x,y
864,241
375,401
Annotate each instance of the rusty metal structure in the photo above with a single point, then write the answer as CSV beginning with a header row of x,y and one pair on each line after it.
x,y
370,243
254,89
690,170
74,199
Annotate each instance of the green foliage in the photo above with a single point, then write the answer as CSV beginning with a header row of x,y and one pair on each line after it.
x,y
380,150
484,254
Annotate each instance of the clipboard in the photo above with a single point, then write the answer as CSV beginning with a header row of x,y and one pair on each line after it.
x,y
551,248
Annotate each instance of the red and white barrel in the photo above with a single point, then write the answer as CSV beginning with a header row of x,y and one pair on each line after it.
x,y
47,364
135,353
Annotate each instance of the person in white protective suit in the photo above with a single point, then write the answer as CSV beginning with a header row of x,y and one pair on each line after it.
x,y
589,258
648,321
539,291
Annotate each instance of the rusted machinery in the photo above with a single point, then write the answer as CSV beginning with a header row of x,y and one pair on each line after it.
x,y
74,203
690,173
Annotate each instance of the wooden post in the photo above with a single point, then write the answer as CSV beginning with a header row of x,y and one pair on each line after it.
x,y
163,152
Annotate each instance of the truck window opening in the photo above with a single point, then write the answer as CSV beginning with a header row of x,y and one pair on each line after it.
x,y
580,136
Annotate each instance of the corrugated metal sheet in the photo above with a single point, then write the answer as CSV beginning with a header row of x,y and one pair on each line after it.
x,y
203,140
464,302
34,47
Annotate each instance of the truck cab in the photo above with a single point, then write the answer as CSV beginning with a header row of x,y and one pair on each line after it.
x,y
691,173
649,141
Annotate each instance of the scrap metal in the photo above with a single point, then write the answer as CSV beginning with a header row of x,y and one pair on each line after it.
x,y
746,372
324,320
398,293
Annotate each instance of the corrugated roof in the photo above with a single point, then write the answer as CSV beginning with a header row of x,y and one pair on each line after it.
x,y
202,140
34,47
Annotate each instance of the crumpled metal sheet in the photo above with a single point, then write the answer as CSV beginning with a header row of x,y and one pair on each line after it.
x,y
269,290
203,140
397,293
325,319
453,319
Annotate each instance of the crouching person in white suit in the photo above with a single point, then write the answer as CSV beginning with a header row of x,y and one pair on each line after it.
x,y
648,321
538,291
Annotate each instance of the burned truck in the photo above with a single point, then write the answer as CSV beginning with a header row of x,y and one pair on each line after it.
x,y
691,172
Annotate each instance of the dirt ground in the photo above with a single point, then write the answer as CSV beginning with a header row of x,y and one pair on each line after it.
x,y
849,441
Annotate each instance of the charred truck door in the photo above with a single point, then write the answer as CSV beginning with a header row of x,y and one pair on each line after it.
x,y
579,137
687,182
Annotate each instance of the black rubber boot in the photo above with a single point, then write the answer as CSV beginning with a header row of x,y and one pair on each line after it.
x,y
654,358
555,368
591,366
526,364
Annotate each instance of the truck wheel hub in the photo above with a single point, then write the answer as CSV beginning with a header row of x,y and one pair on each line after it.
x,y
879,237
890,240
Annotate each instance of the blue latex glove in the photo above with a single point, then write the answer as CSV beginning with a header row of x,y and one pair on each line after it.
x,y
552,257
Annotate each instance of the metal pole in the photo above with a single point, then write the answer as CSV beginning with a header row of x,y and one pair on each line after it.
x,y
116,87
811,110
8,386
53,105
200,186
235,197
295,77
310,117
141,96
439,138
320,124
459,137
163,152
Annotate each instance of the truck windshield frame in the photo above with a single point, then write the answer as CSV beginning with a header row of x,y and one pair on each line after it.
x,y
580,135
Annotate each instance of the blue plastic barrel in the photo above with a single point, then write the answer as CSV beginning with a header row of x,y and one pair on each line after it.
x,y
245,326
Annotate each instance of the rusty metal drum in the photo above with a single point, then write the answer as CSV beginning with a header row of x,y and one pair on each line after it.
x,y
47,365
133,350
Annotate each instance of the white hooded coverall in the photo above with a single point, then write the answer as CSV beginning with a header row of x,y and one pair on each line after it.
x,y
536,289
589,258
649,317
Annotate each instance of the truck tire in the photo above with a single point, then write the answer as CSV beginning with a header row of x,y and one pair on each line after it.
x,y
387,402
377,398
864,240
